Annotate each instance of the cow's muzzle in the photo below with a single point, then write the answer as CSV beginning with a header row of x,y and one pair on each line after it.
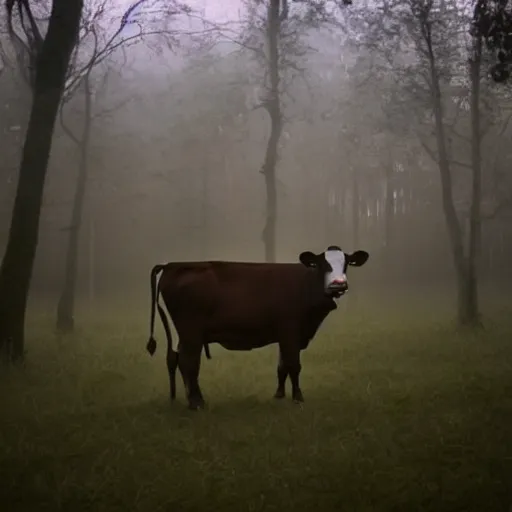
x,y
337,288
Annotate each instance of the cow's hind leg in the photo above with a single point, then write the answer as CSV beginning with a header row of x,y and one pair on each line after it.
x,y
282,374
172,364
190,363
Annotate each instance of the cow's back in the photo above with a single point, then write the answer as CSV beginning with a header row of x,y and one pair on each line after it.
x,y
221,281
256,297
233,296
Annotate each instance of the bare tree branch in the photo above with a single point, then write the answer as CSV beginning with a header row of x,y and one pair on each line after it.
x,y
430,152
108,111
453,131
65,128
27,41
28,45
501,207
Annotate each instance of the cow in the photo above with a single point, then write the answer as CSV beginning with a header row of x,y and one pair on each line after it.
x,y
243,306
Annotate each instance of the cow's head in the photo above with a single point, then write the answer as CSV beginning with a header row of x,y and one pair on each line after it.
x,y
332,267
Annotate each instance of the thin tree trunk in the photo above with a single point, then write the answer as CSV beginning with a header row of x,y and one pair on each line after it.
x,y
356,226
389,212
455,231
205,199
18,262
355,209
471,305
327,215
273,106
341,215
66,306
92,271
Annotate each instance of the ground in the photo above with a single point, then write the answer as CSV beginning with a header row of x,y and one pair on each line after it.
x,y
403,412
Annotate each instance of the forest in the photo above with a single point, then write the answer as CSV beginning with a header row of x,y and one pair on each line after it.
x,y
141,132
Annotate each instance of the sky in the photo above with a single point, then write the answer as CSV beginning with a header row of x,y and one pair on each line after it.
x,y
217,10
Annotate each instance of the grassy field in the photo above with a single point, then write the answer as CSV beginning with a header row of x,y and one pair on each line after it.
x,y
403,413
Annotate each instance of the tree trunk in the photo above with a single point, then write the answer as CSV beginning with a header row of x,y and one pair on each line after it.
x,y
356,227
273,106
92,270
341,217
205,224
389,212
327,207
18,262
455,231
355,209
66,306
471,306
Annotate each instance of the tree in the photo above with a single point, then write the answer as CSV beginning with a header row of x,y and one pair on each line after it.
x,y
66,306
269,26
273,105
211,113
471,306
80,76
492,21
444,73
101,34
279,52
51,65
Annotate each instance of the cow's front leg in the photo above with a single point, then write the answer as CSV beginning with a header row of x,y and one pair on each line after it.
x,y
294,372
290,354
282,374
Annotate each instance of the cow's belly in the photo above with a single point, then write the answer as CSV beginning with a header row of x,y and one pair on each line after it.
x,y
240,340
243,345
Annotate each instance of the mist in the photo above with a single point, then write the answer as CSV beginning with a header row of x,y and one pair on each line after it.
x,y
177,148
395,144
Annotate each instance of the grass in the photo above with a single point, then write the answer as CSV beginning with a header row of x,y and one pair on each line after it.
x,y
403,413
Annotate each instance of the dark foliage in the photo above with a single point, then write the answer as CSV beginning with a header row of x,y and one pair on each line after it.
x,y
492,20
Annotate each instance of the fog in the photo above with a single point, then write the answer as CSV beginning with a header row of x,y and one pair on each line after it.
x,y
252,131
175,159
178,142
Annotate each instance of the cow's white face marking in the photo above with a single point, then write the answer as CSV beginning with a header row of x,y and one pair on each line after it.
x,y
336,260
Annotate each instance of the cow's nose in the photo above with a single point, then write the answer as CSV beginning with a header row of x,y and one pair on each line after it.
x,y
339,284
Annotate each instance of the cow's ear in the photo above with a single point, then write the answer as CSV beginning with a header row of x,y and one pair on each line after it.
x,y
357,258
308,259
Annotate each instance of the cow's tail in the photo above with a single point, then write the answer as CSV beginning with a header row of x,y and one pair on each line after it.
x,y
151,344
172,355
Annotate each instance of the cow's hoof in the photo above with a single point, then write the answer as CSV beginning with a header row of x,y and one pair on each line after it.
x,y
298,398
195,405
280,393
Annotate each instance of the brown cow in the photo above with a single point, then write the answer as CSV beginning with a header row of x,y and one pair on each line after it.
x,y
242,306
